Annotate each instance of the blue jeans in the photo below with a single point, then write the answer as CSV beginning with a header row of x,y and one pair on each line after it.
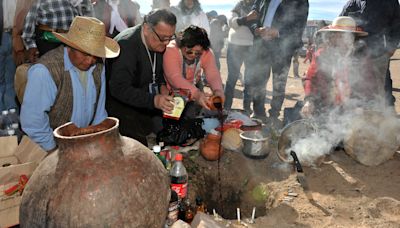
x,y
236,56
7,72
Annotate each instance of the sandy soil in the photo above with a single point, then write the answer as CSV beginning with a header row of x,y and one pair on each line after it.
x,y
345,193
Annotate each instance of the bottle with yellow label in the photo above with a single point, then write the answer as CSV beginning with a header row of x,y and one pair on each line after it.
x,y
179,105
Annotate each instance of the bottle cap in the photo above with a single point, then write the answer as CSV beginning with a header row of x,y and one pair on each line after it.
x,y
10,132
4,112
15,126
199,200
156,149
12,110
178,157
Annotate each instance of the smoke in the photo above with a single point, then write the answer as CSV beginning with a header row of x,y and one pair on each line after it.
x,y
362,121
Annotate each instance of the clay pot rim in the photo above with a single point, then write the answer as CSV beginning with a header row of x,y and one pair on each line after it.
x,y
57,135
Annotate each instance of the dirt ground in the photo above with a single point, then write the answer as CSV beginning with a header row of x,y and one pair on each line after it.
x,y
345,193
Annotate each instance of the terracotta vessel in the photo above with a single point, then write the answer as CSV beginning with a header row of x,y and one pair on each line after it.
x,y
215,103
97,178
211,148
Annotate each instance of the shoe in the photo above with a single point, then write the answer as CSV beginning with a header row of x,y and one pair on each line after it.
x,y
263,119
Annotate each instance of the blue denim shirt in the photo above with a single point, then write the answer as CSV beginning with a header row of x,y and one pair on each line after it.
x,y
39,97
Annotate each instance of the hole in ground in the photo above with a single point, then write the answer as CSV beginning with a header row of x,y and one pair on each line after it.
x,y
239,186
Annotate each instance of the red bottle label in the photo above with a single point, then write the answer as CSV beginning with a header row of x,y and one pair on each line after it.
x,y
180,189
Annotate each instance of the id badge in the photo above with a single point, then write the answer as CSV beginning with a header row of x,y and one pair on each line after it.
x,y
153,88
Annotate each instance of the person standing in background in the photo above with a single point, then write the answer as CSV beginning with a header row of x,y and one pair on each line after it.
x,y
190,13
277,34
117,15
20,54
7,65
47,16
218,32
240,40
161,4
381,19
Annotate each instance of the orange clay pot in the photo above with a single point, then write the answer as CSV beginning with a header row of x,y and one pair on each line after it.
x,y
216,102
210,147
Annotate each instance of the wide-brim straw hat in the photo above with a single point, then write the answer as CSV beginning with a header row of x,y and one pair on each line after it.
x,y
88,34
344,24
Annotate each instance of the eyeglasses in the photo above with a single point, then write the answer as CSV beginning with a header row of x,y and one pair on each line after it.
x,y
167,39
196,53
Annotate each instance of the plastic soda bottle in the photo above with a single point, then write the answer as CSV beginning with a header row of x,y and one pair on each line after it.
x,y
157,152
179,177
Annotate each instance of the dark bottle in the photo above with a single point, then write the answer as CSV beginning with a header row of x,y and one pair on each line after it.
x,y
189,214
173,209
13,115
200,206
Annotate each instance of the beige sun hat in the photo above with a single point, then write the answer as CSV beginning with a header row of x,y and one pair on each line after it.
x,y
344,24
88,34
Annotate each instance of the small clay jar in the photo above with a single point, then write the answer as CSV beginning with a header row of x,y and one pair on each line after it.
x,y
215,103
211,148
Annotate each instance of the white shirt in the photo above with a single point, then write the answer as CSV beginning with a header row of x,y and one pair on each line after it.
x,y
8,13
273,6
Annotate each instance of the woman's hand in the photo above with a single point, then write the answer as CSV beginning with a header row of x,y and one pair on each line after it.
x,y
307,110
202,99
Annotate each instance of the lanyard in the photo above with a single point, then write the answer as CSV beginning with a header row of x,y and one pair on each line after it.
x,y
153,64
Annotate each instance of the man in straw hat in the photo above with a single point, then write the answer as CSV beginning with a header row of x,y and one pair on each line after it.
x,y
137,94
68,83
381,19
339,74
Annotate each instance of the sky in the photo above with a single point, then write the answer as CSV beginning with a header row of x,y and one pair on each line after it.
x,y
319,9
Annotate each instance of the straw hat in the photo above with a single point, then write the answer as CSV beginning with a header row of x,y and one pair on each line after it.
x,y
88,34
344,24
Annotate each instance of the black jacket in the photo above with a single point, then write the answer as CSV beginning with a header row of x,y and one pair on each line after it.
x,y
290,19
128,79
380,18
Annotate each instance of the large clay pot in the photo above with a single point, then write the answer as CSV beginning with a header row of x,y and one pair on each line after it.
x,y
211,148
96,179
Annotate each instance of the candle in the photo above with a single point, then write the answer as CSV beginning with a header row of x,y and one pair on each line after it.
x,y
238,214
253,214
214,213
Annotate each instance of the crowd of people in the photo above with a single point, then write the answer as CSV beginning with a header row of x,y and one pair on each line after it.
x,y
89,59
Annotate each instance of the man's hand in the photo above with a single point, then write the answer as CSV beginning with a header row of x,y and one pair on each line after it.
x,y
33,55
267,33
252,15
307,110
164,102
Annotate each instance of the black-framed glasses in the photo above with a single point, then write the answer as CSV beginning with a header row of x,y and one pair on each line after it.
x,y
167,39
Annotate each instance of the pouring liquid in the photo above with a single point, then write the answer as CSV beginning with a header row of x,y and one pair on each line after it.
x,y
218,105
